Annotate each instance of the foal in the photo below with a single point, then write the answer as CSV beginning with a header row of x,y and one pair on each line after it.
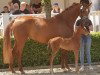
x,y
72,43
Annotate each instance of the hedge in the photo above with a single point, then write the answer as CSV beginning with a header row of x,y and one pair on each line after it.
x,y
37,54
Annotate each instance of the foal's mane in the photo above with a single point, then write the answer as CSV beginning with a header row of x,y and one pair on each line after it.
x,y
74,33
78,30
67,10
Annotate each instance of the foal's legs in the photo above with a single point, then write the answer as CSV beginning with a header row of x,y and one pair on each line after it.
x,y
76,60
53,54
64,58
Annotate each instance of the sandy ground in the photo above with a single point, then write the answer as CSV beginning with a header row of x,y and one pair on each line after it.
x,y
57,71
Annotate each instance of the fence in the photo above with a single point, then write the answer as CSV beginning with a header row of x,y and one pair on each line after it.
x,y
6,18
1,25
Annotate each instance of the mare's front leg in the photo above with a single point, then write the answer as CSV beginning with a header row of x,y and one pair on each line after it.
x,y
76,60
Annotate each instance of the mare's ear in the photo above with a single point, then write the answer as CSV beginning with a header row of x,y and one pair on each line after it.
x,y
88,5
75,3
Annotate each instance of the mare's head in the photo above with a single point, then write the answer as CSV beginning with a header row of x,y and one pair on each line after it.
x,y
85,10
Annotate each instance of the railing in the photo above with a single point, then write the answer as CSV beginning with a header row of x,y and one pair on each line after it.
x,y
6,18
1,25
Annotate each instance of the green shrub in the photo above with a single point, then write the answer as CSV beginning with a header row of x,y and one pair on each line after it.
x,y
36,54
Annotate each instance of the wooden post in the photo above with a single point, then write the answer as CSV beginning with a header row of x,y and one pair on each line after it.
x,y
47,8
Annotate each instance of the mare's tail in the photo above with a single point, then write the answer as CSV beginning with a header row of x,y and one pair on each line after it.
x,y
7,51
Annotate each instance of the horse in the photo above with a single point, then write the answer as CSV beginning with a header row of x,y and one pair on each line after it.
x,y
39,29
69,44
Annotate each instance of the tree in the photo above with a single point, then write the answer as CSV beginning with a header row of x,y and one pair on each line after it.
x,y
46,4
47,7
35,1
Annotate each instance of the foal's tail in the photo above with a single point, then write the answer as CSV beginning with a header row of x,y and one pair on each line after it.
x,y
48,45
7,51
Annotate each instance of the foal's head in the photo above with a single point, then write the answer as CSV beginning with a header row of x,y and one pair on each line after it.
x,y
81,30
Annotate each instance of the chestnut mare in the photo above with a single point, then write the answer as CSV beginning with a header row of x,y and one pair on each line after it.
x,y
38,29
72,43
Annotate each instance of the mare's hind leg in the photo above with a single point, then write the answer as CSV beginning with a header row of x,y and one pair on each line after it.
x,y
17,51
12,59
20,45
64,58
20,38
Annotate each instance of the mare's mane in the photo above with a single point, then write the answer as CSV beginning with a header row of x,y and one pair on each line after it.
x,y
67,10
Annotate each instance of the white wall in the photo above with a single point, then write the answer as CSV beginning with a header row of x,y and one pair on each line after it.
x,y
60,2
64,3
70,2
3,3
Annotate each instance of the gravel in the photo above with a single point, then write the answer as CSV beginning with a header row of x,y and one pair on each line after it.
x,y
57,71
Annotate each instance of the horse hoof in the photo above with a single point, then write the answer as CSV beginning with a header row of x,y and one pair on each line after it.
x,y
13,71
23,72
51,72
77,70
64,70
69,70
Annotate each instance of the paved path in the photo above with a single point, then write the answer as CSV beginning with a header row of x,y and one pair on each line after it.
x,y
57,71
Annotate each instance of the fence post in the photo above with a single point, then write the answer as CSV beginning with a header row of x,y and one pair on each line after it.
x,y
99,21
94,28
